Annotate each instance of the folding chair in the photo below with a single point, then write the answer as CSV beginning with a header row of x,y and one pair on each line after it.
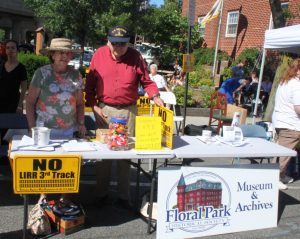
x,y
254,131
169,98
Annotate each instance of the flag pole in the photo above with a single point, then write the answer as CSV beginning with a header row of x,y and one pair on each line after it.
x,y
217,42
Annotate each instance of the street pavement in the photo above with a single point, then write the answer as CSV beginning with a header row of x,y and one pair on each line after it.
x,y
112,223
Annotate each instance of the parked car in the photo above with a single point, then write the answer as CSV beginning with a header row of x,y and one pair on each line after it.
x,y
87,57
149,52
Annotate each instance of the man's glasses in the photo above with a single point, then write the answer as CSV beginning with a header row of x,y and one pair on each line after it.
x,y
119,43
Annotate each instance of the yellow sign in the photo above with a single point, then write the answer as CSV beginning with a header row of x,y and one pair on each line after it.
x,y
166,125
188,62
143,104
86,108
46,174
147,133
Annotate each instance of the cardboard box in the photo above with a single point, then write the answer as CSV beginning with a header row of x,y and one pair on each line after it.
x,y
233,108
66,226
102,135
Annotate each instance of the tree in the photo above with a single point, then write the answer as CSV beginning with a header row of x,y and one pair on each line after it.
x,y
70,18
277,13
279,21
165,26
86,20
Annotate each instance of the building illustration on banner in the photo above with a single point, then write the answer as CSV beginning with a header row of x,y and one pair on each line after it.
x,y
200,193
198,202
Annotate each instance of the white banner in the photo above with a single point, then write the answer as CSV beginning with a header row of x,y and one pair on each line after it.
x,y
203,201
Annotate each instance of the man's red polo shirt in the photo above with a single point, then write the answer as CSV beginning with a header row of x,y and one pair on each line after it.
x,y
115,82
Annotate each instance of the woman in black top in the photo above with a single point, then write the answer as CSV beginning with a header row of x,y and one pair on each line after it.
x,y
13,81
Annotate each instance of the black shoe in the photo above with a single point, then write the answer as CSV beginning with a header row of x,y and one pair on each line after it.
x,y
102,201
123,204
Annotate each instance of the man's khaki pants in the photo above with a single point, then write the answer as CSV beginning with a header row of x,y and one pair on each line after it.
x,y
287,138
123,167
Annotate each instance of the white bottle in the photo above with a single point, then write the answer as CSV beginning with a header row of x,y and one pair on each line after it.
x,y
236,119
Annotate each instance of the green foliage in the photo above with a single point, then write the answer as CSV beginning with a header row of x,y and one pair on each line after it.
x,y
73,19
87,20
206,92
165,26
249,54
32,62
205,56
179,92
2,34
226,73
200,77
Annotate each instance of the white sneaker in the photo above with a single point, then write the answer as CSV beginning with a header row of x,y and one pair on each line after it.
x,y
282,186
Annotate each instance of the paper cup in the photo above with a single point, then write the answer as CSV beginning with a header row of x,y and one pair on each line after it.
x,y
41,136
206,134
44,136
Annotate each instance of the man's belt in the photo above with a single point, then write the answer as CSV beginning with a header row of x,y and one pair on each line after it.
x,y
120,106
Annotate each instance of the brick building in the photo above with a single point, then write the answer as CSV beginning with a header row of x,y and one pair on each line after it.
x,y
243,25
200,193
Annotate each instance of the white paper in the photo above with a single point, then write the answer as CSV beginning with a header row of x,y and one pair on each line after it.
x,y
206,140
75,146
231,143
36,148
27,144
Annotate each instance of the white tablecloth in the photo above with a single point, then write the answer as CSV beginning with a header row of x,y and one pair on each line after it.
x,y
190,147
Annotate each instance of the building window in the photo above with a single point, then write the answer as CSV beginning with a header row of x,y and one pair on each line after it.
x,y
284,5
232,24
202,28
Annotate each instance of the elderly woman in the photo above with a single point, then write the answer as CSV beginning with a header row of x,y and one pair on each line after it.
x,y
286,116
55,97
158,79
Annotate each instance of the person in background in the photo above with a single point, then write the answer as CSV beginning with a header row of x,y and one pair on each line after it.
x,y
158,79
239,70
13,80
55,96
286,116
2,52
254,78
232,85
112,91
266,87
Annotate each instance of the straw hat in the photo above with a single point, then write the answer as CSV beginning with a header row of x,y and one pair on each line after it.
x,y
60,44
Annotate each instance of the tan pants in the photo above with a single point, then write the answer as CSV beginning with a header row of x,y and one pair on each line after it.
x,y
287,138
123,167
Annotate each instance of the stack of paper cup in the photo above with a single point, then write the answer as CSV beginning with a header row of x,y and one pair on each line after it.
x,y
236,119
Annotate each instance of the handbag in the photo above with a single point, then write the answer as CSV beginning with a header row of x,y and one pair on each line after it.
x,y
38,221
195,130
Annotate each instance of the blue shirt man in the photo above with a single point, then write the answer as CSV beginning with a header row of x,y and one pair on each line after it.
x,y
229,86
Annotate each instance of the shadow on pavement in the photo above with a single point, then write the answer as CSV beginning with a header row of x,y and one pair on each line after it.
x,y
285,200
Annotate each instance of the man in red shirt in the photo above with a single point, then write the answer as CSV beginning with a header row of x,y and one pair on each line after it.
x,y
112,91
